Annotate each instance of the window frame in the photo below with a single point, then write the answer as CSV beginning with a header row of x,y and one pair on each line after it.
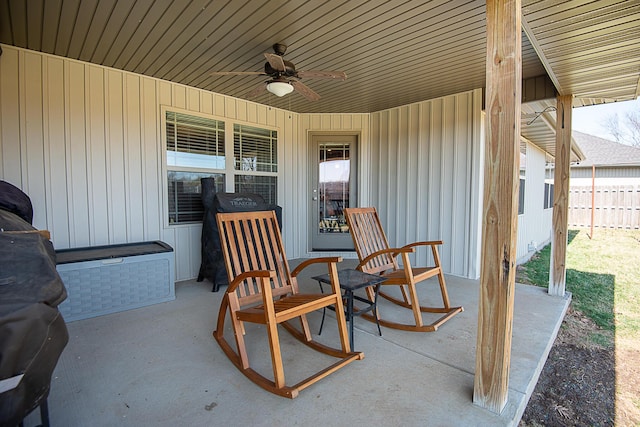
x,y
548,195
239,172
523,178
229,172
549,183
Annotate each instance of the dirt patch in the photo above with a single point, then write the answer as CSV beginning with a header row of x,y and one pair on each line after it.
x,y
628,386
577,386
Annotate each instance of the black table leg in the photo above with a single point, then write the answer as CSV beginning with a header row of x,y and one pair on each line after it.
x,y
324,309
351,280
44,413
349,295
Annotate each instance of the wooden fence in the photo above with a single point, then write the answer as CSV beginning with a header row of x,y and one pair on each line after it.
x,y
616,206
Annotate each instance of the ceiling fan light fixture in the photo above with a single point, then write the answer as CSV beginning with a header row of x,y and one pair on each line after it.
x,y
280,88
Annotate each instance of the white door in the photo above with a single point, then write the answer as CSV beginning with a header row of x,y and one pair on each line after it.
x,y
333,168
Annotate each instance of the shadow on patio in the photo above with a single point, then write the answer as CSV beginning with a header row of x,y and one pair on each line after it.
x,y
159,365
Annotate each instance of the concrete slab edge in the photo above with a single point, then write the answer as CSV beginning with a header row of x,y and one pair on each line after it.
x,y
536,375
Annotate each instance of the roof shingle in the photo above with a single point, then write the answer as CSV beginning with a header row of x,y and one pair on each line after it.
x,y
602,152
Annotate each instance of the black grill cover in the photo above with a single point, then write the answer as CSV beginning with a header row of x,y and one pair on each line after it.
x,y
212,264
13,200
32,331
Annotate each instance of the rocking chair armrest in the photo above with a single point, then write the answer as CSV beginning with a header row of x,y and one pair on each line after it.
x,y
393,251
304,264
424,243
249,274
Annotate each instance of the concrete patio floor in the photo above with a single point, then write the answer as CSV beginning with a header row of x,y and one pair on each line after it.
x,y
159,365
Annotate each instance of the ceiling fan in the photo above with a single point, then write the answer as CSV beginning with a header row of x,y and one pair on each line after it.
x,y
284,78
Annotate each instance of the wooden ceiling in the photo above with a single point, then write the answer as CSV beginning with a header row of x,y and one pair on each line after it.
x,y
393,52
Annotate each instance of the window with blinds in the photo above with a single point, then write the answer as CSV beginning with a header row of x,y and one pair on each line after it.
x,y
256,161
263,185
195,142
184,196
196,149
254,149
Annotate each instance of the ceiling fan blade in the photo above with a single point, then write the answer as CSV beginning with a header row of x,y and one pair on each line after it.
x,y
257,90
305,90
337,75
276,61
237,73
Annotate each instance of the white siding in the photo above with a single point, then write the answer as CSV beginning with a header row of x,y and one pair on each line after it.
x,y
425,176
534,226
85,143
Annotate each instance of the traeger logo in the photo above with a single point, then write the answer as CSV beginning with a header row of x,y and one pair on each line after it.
x,y
243,202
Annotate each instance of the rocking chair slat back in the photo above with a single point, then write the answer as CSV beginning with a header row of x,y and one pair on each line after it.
x,y
377,257
255,244
368,238
262,290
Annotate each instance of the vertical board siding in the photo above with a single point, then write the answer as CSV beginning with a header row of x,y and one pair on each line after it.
x,y
32,140
420,156
151,146
133,159
531,229
393,156
423,142
116,170
413,147
56,153
96,155
85,142
77,185
292,192
10,166
449,173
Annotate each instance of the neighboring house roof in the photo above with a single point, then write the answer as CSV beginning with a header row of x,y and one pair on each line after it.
x,y
602,152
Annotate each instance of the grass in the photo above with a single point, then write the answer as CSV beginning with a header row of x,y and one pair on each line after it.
x,y
603,277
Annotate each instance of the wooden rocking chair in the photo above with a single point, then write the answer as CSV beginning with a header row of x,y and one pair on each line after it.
x,y
376,257
263,290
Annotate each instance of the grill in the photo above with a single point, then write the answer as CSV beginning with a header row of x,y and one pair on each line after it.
x,y
212,264
32,330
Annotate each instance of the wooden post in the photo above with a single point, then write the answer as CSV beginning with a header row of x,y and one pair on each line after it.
x,y
557,270
500,210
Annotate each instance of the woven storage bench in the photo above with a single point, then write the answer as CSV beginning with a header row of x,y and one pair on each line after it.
x,y
108,279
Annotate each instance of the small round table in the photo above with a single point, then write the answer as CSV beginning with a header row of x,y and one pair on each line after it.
x,y
351,280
